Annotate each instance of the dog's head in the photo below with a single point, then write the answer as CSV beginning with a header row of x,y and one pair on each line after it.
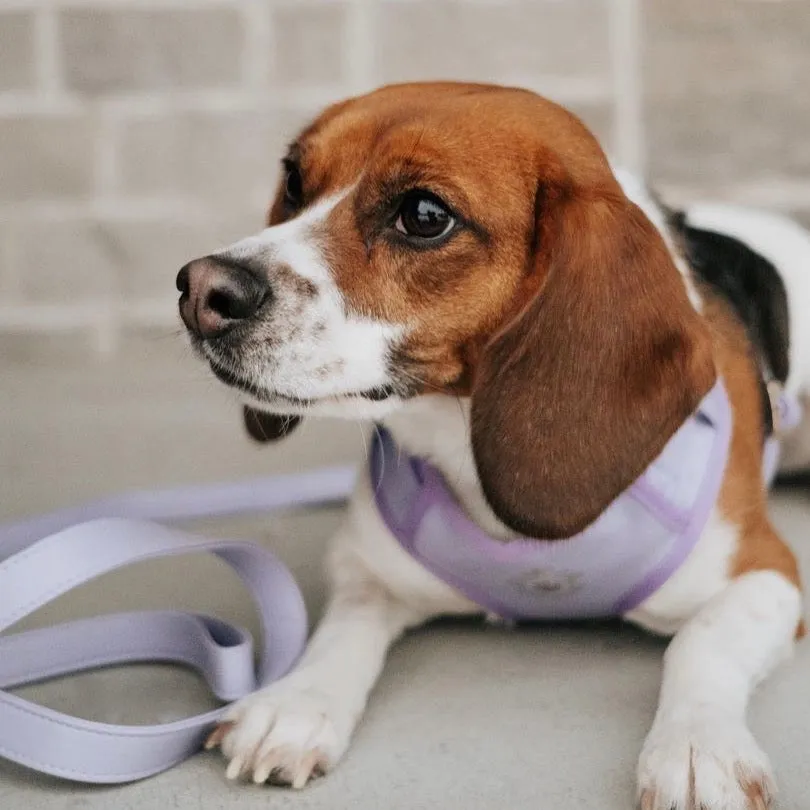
x,y
470,240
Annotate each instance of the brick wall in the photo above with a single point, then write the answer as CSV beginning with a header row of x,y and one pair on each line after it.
x,y
137,133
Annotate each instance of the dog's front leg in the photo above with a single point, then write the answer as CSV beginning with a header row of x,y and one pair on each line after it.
x,y
300,726
699,754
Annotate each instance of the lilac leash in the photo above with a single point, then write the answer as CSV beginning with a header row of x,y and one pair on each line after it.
x,y
44,557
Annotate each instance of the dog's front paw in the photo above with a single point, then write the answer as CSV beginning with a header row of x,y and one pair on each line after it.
x,y
287,733
705,764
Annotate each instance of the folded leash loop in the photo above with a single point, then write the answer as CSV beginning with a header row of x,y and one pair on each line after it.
x,y
35,569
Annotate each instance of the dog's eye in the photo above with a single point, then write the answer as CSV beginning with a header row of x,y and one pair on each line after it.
x,y
424,216
293,186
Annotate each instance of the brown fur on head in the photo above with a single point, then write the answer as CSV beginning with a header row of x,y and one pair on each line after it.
x,y
553,302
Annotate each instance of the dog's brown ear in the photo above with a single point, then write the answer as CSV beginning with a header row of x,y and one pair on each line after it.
x,y
268,427
601,361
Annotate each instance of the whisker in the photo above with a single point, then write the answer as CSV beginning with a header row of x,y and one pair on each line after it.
x,y
361,428
467,438
420,381
382,458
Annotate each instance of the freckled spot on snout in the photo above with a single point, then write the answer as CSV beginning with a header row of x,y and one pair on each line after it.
x,y
328,369
307,288
290,280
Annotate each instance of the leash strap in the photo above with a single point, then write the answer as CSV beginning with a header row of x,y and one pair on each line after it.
x,y
42,558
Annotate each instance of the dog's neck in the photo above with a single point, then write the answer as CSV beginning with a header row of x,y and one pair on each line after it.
x,y
437,428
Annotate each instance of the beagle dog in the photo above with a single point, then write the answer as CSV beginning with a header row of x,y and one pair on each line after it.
x,y
578,394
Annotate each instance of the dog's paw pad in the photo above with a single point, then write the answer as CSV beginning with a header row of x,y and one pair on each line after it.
x,y
283,735
706,765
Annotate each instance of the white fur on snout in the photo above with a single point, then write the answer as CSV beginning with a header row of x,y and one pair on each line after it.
x,y
310,346
292,243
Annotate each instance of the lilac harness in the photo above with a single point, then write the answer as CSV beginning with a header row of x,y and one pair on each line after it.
x,y
611,567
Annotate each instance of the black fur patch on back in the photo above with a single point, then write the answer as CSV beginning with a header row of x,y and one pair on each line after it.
x,y
749,282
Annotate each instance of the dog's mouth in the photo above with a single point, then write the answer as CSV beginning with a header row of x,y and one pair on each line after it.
x,y
271,397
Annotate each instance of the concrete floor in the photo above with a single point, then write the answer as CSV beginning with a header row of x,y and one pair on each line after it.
x,y
465,716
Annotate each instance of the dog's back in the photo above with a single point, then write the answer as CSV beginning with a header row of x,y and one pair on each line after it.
x,y
783,245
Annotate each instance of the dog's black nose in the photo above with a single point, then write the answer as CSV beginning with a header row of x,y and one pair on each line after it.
x,y
216,294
